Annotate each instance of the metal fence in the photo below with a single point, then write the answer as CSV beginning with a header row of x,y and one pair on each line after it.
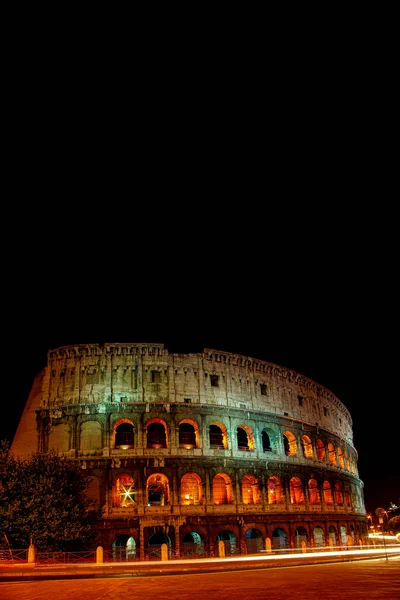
x,y
153,553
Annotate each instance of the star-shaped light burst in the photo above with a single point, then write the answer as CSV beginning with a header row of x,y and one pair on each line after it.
x,y
127,495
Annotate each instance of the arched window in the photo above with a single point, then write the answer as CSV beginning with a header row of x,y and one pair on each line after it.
x,y
307,447
266,442
313,492
327,490
319,444
242,440
124,492
275,490
296,491
340,457
290,443
157,488
156,434
338,493
331,454
187,436
124,436
347,495
218,436
250,490
222,489
191,489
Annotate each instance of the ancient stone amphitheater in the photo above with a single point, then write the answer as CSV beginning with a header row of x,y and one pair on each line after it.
x,y
190,450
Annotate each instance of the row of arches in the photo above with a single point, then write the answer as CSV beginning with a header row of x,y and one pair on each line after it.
x,y
194,543
125,492
189,437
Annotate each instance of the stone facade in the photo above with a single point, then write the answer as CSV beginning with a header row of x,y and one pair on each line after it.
x,y
194,449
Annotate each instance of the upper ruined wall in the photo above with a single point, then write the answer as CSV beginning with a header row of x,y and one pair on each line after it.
x,y
93,373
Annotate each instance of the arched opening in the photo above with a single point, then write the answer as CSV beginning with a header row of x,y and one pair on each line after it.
x,y
156,435
191,489
124,548
266,441
242,441
229,540
319,538
254,541
290,444
300,535
332,535
343,535
124,436
217,438
352,533
222,489
187,436
338,493
279,539
347,495
319,444
331,454
124,492
340,457
275,490
296,491
307,447
250,490
193,545
327,491
157,490
313,492
156,540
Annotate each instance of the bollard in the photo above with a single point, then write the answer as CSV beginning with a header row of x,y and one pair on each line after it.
x,y
99,554
268,545
164,552
303,547
31,553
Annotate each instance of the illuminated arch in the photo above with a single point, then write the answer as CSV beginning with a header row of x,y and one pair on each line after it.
x,y
156,433
250,490
313,492
347,498
245,437
307,446
189,435
218,435
340,457
222,489
126,426
338,493
123,492
275,490
290,443
296,491
327,491
157,490
331,454
319,444
191,489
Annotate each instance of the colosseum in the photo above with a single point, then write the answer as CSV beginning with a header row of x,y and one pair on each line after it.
x,y
189,450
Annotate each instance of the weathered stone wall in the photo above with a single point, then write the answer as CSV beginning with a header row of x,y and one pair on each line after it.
x,y
147,373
